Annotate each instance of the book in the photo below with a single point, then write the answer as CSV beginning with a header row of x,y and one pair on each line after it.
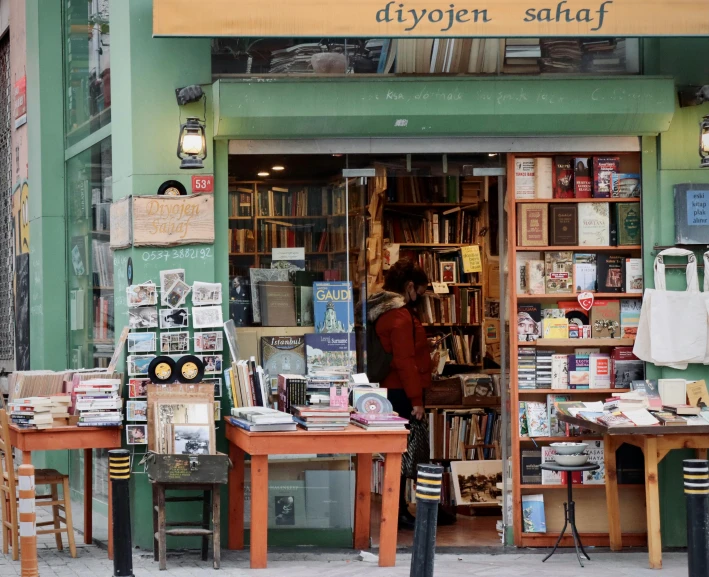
x,y
625,368
240,309
555,328
534,274
599,370
582,178
524,178
531,473
522,273
258,275
641,418
634,275
543,177
594,224
537,419
277,300
669,419
563,224
526,367
529,318
563,177
595,457
627,218
626,185
604,167
650,390
682,409
605,319
533,517
330,354
557,428
333,307
560,372
522,419
629,317
691,214
610,273
584,272
672,391
697,394
533,224
550,477
614,420
558,272
282,355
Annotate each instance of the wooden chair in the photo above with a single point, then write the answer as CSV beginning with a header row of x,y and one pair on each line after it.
x,y
8,499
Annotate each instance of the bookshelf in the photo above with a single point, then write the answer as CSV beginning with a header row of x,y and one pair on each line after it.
x,y
592,500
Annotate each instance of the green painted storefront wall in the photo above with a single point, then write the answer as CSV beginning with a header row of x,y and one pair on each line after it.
x,y
407,107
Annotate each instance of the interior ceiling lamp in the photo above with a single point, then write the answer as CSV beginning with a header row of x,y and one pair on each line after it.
x,y
192,142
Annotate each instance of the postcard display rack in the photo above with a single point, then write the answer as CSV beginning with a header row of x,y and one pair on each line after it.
x,y
553,203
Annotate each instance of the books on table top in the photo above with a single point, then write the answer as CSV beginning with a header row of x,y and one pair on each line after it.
x,y
641,418
667,418
379,419
320,411
261,415
262,428
681,409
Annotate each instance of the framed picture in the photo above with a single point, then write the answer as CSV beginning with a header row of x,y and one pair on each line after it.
x,y
193,439
138,364
143,318
141,295
208,342
449,272
137,410
217,382
141,343
212,364
175,342
138,388
178,411
137,434
174,319
167,279
204,317
176,294
206,293
286,506
475,482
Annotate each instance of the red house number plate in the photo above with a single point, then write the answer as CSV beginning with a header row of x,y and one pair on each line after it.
x,y
203,183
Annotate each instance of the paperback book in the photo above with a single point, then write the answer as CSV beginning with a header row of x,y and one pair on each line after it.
x,y
333,307
282,355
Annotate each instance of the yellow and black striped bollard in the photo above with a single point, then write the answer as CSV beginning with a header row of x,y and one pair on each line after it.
x,y
119,472
428,495
696,488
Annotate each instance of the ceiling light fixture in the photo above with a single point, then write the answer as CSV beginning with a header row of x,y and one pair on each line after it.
x,y
263,173
278,168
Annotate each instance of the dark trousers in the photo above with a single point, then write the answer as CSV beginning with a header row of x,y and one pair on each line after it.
x,y
401,405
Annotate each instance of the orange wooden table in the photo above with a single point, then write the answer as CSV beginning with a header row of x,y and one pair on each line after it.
x,y
63,439
353,440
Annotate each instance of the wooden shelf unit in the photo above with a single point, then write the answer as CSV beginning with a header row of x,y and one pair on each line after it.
x,y
548,539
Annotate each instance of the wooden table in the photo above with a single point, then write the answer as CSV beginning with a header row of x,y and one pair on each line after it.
x,y
353,440
65,438
655,442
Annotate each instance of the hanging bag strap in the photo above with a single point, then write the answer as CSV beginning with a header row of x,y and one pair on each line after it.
x,y
691,270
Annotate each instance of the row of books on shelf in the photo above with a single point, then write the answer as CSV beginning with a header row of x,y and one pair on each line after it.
x,y
441,265
104,324
461,306
580,224
452,189
464,434
539,419
273,234
532,474
434,227
294,201
568,272
573,177
461,347
102,263
586,368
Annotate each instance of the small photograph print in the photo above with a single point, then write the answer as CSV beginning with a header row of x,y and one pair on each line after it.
x,y
138,364
141,343
212,364
285,510
167,279
217,386
206,293
174,319
204,317
142,295
176,294
208,342
217,411
137,410
175,342
448,272
137,434
191,440
138,388
143,318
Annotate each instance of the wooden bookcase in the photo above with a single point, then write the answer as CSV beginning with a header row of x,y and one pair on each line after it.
x,y
590,499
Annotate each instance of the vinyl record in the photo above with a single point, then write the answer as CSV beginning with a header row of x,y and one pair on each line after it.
x,y
172,188
577,318
373,403
190,369
162,370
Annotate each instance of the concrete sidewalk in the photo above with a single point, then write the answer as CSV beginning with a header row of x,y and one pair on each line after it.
x,y
93,562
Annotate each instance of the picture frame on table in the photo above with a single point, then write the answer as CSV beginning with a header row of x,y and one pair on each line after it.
x,y
177,410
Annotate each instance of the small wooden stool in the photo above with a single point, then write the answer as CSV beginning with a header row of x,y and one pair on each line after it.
x,y
162,528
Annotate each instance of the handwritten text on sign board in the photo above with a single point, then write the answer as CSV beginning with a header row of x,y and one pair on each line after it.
x,y
172,220
449,18
698,208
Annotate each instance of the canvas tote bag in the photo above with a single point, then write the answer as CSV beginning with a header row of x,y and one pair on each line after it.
x,y
672,331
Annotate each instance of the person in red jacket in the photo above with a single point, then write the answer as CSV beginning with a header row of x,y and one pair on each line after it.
x,y
396,322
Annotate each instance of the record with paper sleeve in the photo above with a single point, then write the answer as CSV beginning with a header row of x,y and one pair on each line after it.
x,y
577,318
373,403
190,369
162,370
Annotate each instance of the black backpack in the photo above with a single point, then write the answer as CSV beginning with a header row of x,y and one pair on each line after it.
x,y
378,360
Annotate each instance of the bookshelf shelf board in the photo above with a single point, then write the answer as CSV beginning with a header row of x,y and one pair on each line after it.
x,y
578,248
578,486
451,324
433,245
558,439
289,217
563,296
571,391
241,218
573,200
574,343
428,205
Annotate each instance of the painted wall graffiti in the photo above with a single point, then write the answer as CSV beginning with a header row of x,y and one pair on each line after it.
x,y
21,229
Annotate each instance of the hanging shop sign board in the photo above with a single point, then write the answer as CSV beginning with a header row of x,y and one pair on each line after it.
x,y
431,18
162,221
20,99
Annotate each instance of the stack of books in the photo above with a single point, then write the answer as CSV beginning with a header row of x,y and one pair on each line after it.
x,y
321,417
40,412
379,422
98,403
261,420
